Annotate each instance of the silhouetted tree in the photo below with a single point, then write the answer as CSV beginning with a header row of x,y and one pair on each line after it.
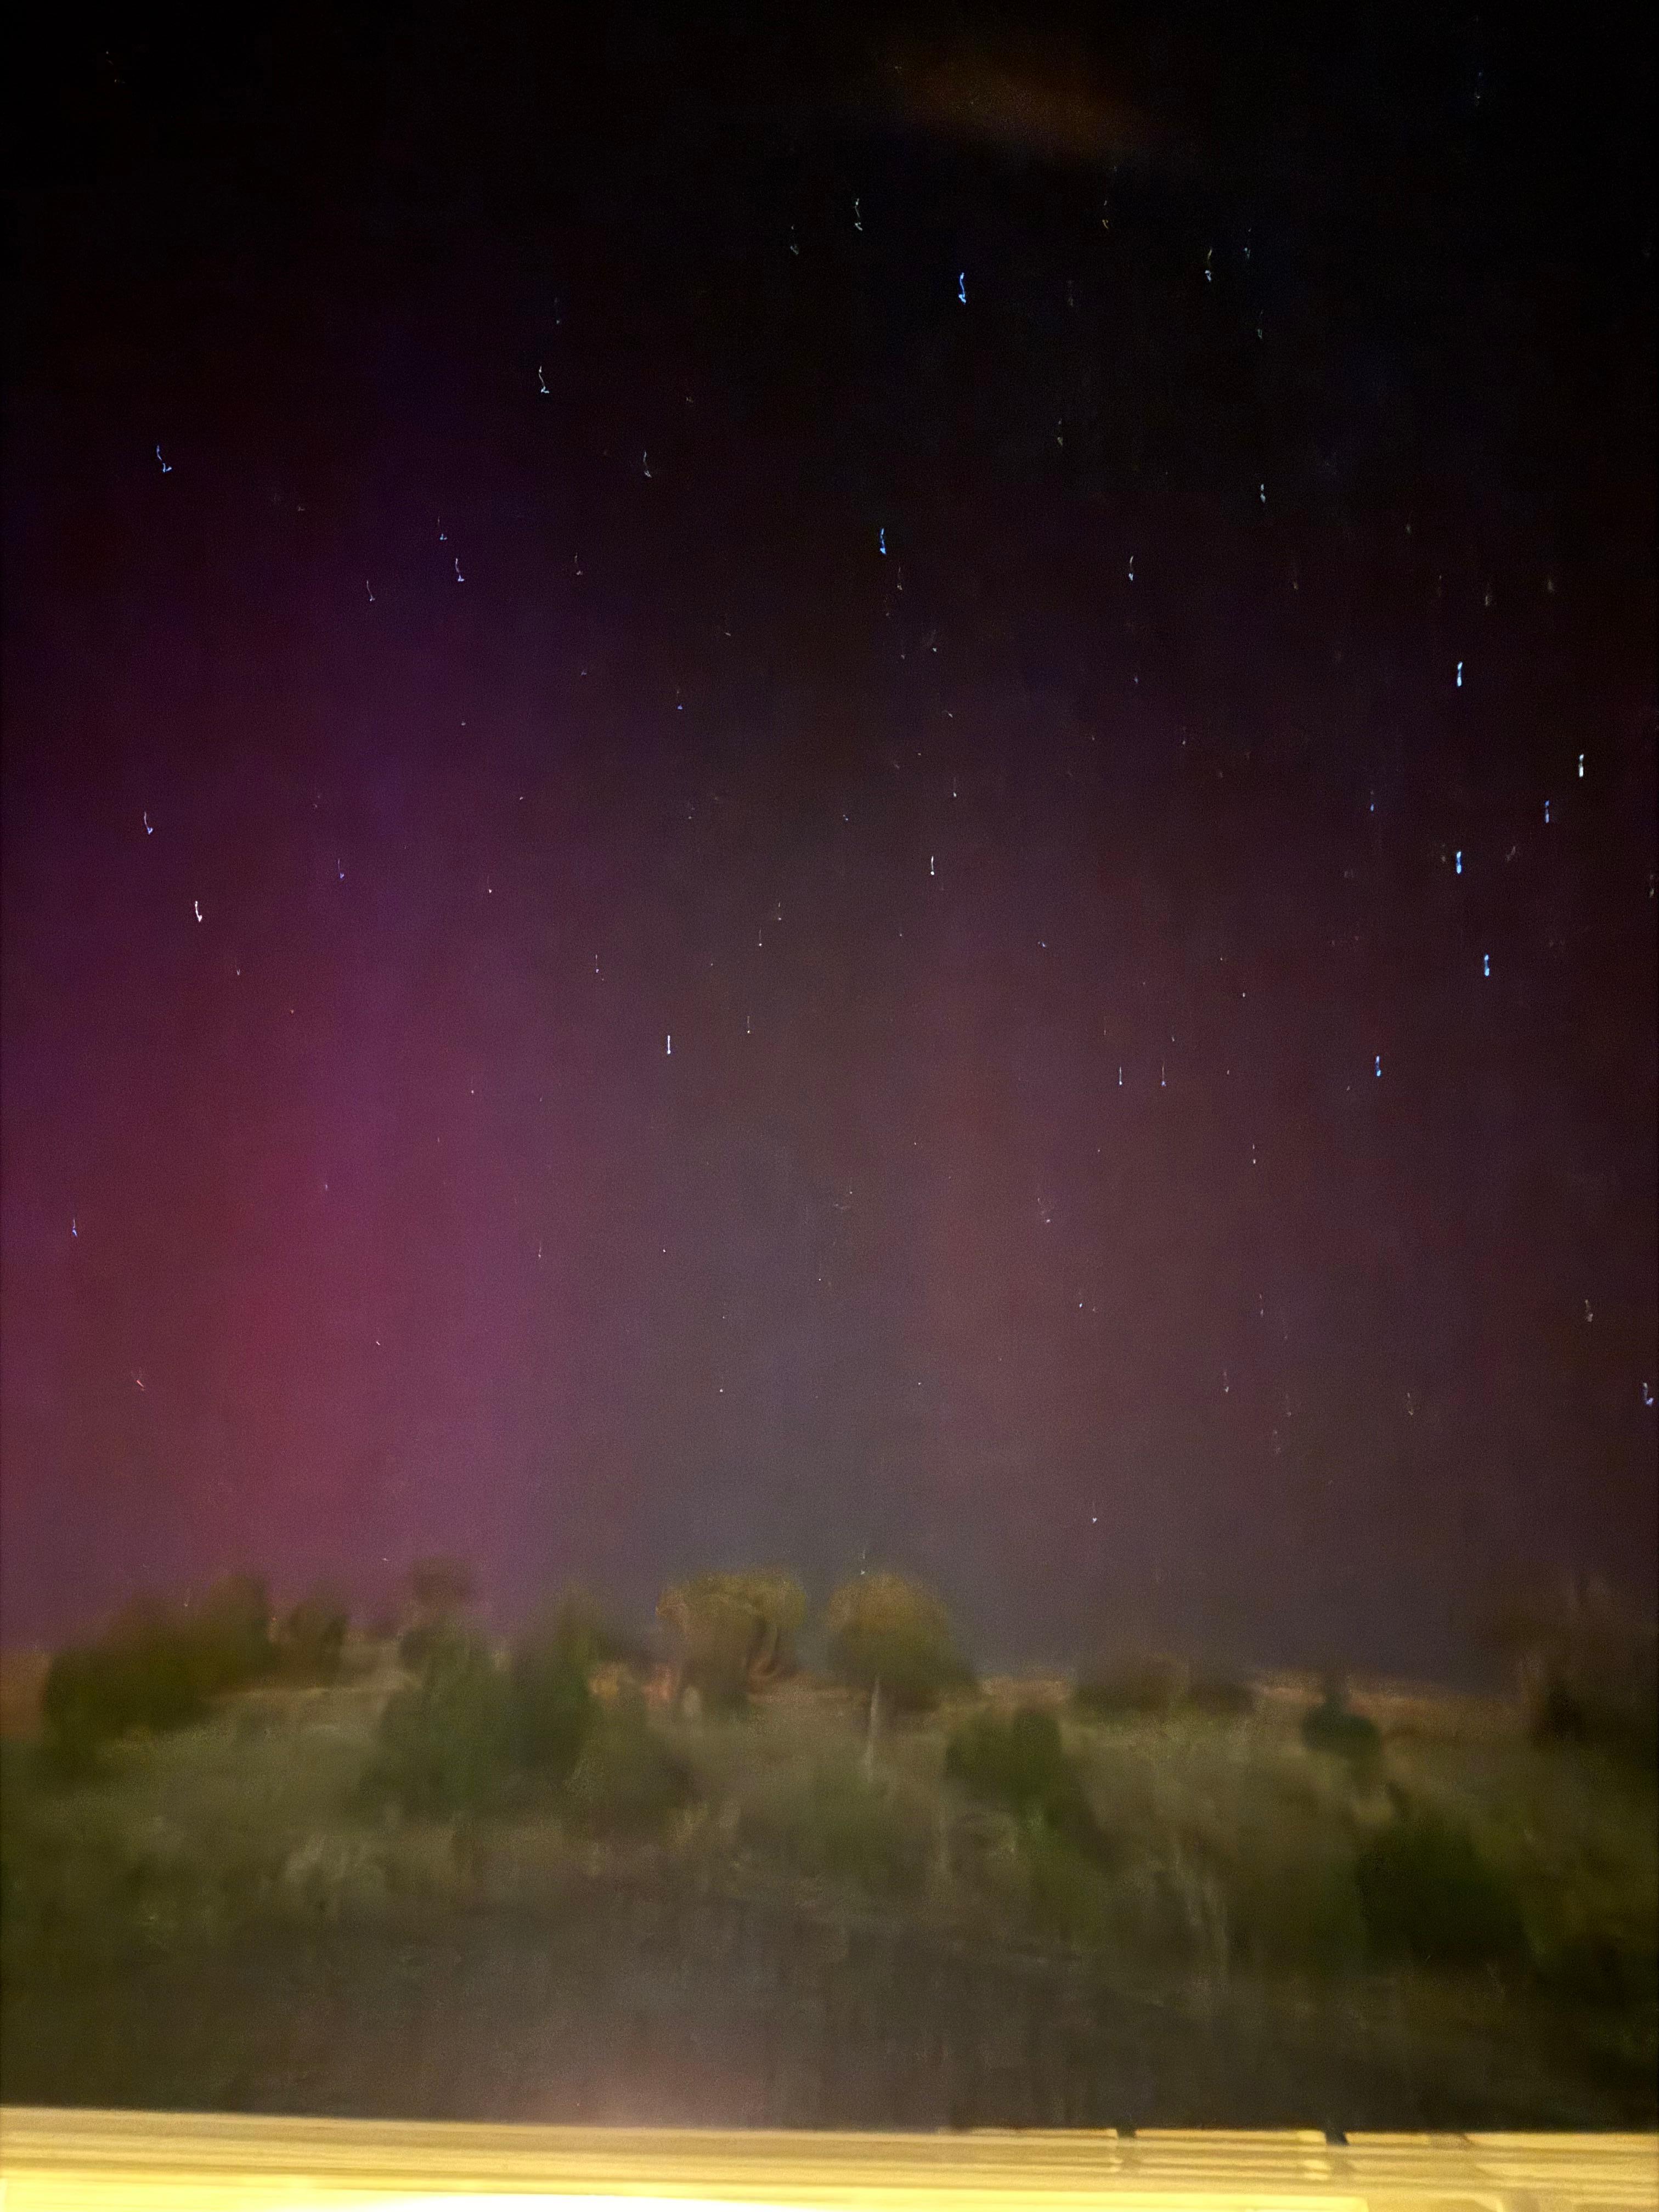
x,y
1020,1762
735,1632
447,1743
1333,1726
147,1670
1426,1894
442,1587
1131,1685
1586,1665
892,1638
584,1631
230,1631
551,1706
311,1641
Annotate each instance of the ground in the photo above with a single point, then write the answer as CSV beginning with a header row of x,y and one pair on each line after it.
x,y
220,1923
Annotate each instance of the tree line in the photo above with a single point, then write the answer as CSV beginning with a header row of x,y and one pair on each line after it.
x,y
1584,1667
158,1666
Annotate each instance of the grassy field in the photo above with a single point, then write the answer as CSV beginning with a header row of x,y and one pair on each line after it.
x,y
224,1918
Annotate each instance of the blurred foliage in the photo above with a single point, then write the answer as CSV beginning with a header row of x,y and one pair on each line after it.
x,y
1427,1894
584,1631
827,1819
736,1633
1020,1762
1233,1852
626,1780
1291,1900
1219,1697
1587,1665
447,1743
552,1707
417,1644
1333,1728
888,1630
1131,1686
442,1587
230,1632
310,1642
1602,1969
155,1667
1069,1894
469,1734
1223,1848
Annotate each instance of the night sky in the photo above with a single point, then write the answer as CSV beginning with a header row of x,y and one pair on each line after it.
x,y
832,788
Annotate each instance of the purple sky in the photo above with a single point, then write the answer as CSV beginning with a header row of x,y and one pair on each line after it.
x,y
1030,906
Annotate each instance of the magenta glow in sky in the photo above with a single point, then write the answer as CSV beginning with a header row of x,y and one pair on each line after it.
x,y
1131,794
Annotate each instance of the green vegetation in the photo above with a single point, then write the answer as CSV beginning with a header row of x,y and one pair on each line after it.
x,y
441,1590
1144,1684
627,1781
229,1634
1132,1687
155,1667
1219,1697
894,1637
550,1706
196,1779
1427,1894
310,1642
584,1633
825,1820
1333,1728
1020,1762
447,1742
734,1633
1587,1668
471,1734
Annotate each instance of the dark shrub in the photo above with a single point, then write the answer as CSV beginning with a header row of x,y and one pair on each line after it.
x,y
552,1708
836,1823
230,1632
1602,1969
582,1630
1291,1902
1127,1689
158,1657
1070,1893
1587,1663
1560,1714
155,1667
1609,1715
311,1641
888,1631
83,1706
149,1670
715,1631
1331,1728
1427,1894
442,1589
1021,1763
447,1745
417,1646
627,1781
1220,1699
736,1633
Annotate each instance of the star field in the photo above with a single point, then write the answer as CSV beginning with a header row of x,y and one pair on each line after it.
x,y
797,829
